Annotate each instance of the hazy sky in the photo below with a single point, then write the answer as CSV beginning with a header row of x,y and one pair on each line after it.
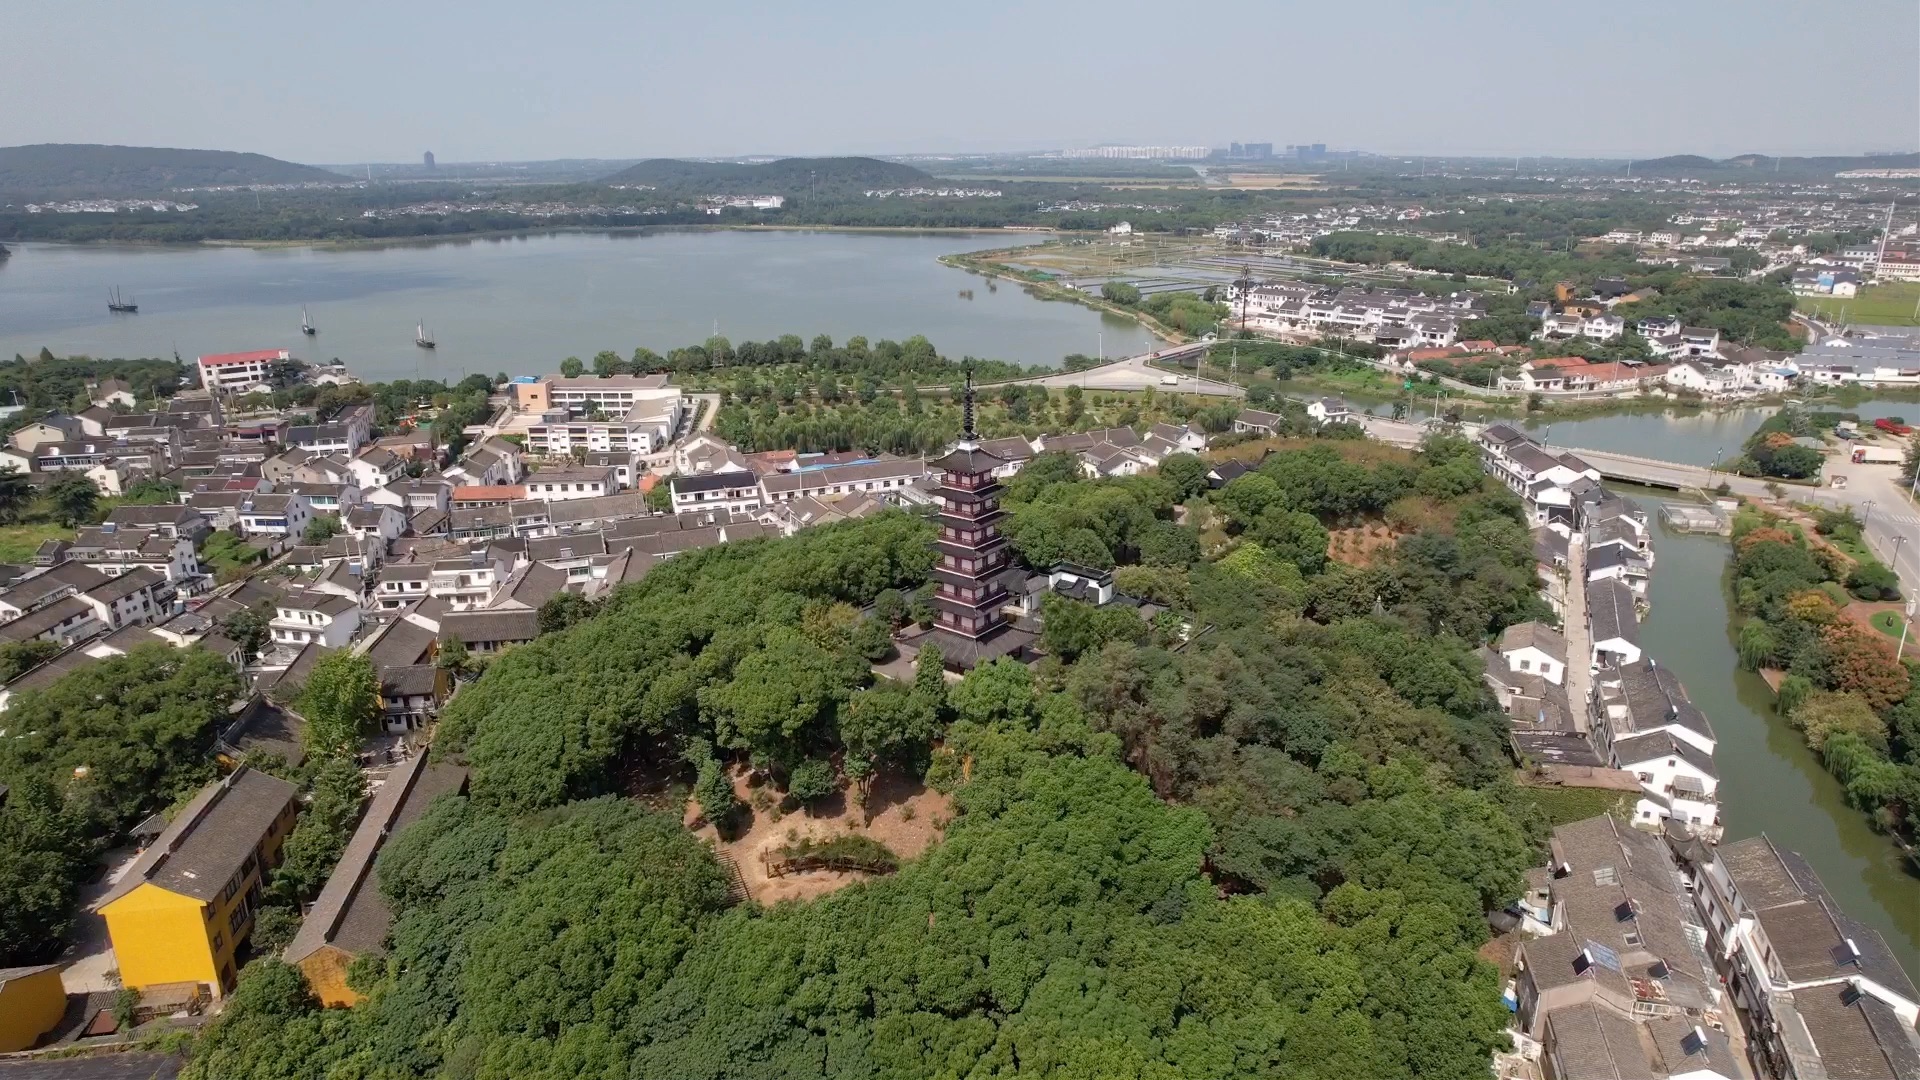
x,y
353,80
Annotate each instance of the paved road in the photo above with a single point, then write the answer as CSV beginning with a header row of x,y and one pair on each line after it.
x,y
1573,622
1133,373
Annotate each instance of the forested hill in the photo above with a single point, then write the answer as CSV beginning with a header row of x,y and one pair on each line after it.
x,y
94,169
786,176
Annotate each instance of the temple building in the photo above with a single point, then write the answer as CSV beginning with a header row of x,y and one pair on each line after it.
x,y
972,555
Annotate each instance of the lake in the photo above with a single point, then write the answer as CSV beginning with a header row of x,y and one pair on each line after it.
x,y
520,304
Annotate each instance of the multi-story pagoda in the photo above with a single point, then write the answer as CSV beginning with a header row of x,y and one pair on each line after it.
x,y
971,555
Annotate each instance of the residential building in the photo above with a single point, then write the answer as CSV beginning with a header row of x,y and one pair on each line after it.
x,y
48,429
376,466
1535,649
884,477
1611,981
32,1001
323,618
1644,723
1613,624
705,453
109,393
732,492
560,485
179,914
469,581
646,428
237,373
350,918
1823,994
588,395
168,520
345,434
413,495
469,497
1329,411
274,515
1256,422
401,584
376,524
486,631
112,549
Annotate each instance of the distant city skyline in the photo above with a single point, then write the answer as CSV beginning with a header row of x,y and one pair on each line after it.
x,y
490,81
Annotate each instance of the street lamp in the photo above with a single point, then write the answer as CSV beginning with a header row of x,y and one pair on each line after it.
x,y
1866,517
1904,624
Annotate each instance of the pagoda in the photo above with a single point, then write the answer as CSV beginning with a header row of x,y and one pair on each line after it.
x,y
971,555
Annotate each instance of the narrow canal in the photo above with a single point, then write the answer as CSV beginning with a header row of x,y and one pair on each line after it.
x,y
1769,781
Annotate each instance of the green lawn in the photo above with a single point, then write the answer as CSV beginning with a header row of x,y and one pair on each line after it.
x,y
19,542
1562,805
1887,622
1891,304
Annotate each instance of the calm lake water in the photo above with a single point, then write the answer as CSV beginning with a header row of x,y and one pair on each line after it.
x,y
1769,781
520,304
1690,437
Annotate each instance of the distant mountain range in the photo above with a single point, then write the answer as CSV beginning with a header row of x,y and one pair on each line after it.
x,y
784,177
1693,163
93,169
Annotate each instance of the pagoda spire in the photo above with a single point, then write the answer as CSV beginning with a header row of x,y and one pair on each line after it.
x,y
966,408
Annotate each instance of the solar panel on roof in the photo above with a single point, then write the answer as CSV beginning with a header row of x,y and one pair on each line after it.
x,y
1601,955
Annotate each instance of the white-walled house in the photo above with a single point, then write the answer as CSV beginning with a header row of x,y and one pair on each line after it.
x,y
733,491
1823,994
1536,649
323,617
1613,624
1644,723
274,515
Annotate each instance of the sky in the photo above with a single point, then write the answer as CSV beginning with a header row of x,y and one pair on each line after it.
x,y
357,81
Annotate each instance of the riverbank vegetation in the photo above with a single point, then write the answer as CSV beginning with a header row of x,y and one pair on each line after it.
x,y
1840,686
1261,835
1772,449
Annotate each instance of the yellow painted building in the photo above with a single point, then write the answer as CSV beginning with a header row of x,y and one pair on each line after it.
x,y
31,1004
186,906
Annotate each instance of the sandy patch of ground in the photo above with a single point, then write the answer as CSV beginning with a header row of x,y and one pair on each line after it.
x,y
901,812
1360,546
1270,181
88,959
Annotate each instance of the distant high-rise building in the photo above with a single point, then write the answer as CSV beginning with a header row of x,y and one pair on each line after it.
x,y
1235,150
427,158
1259,150
1319,149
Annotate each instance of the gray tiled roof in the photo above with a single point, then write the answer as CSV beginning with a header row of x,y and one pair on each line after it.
x,y
1654,697
494,625
1537,635
1610,611
207,842
1641,748
1592,1043
1806,927
350,914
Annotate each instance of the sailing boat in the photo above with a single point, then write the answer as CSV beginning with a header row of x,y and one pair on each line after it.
x,y
306,324
115,304
421,337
